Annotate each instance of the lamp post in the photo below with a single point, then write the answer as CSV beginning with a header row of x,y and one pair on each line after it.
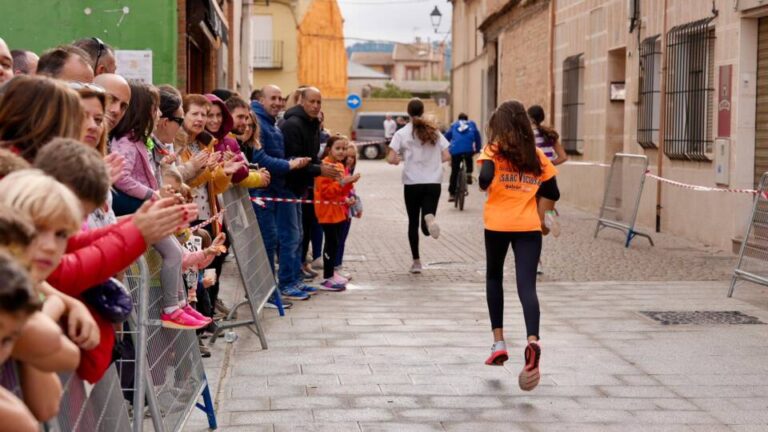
x,y
436,17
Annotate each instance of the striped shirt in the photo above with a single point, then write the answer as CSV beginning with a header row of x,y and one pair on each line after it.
x,y
544,144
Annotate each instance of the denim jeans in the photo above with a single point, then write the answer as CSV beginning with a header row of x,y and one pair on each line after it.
x,y
280,224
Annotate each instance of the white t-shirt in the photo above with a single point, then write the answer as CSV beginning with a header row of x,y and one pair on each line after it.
x,y
390,127
423,162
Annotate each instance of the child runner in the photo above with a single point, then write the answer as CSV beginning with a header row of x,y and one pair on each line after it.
x,y
514,172
548,140
332,216
423,149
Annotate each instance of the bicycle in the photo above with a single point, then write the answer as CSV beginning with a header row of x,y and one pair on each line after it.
x,y
461,187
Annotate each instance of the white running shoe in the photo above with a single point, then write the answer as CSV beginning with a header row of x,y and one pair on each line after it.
x,y
432,226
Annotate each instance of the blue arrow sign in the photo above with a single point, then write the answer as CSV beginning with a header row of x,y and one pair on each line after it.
x,y
354,101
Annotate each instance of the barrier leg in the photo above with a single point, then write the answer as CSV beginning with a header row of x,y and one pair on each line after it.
x,y
279,302
632,234
733,286
207,407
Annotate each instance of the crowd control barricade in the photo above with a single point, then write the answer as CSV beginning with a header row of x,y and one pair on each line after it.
x,y
753,256
623,190
172,369
248,246
86,408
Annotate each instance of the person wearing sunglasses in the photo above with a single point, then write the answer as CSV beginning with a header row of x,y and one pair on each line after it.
x,y
103,55
166,128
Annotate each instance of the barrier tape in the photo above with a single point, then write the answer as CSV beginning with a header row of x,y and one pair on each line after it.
x,y
260,201
209,221
675,183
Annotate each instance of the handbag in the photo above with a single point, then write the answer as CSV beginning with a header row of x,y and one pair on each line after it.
x,y
111,300
124,204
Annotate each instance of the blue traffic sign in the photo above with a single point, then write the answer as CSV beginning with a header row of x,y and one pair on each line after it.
x,y
354,101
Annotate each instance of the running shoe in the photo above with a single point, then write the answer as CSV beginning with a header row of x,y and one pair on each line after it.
x,y
339,279
432,226
498,354
340,271
189,310
530,375
309,289
451,198
551,221
294,293
180,320
416,268
331,285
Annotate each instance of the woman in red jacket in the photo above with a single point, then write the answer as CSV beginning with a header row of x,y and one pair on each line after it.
x,y
331,215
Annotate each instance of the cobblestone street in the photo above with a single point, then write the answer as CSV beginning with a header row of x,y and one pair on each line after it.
x,y
401,352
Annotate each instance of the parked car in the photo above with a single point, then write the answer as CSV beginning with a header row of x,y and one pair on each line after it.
x,y
368,133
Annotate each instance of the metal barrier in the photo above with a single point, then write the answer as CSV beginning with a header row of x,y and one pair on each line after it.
x,y
173,372
753,256
86,408
623,190
255,272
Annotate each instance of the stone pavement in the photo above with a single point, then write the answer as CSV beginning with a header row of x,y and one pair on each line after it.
x,y
398,352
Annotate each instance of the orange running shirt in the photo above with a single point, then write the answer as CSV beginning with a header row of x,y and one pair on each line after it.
x,y
511,202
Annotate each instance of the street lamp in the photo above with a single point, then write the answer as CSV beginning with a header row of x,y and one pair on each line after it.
x,y
436,17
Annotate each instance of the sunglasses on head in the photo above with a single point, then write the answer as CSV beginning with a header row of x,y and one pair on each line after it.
x,y
101,50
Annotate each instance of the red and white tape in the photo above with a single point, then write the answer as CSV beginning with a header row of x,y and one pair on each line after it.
x,y
260,201
696,188
364,143
209,221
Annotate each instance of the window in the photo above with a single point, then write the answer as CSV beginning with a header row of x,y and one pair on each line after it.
x,y
690,91
649,109
573,105
412,73
371,122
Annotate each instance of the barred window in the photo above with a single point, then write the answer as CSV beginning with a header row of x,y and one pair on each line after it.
x,y
649,109
690,91
573,104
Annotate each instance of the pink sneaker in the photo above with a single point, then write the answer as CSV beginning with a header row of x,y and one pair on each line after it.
x,y
181,320
189,310
339,279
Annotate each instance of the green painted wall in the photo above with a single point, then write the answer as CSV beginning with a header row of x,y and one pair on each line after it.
x,y
37,25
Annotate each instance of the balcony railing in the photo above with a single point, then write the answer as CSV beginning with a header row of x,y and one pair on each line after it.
x,y
267,54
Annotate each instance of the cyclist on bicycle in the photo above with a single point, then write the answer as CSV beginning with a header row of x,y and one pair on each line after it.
x,y
465,142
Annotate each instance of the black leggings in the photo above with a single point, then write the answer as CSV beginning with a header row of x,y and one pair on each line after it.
x,y
455,165
420,200
527,249
332,233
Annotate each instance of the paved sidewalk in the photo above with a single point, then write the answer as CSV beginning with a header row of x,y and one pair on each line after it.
x,y
398,352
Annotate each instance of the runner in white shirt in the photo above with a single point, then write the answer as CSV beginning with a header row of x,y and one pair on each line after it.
x,y
390,127
423,149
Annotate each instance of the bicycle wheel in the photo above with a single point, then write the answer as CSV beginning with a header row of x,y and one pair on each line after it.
x,y
461,186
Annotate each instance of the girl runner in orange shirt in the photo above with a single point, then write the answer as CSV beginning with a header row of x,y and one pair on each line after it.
x,y
514,172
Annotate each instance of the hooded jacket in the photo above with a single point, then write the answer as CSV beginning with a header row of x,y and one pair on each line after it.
x,y
272,153
224,142
464,138
302,139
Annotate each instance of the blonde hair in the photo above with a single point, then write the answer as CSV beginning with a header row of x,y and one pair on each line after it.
x,y
45,201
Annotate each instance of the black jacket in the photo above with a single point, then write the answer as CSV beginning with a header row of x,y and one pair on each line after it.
x,y
302,139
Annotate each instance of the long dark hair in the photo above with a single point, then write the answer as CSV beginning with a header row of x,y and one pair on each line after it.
x,y
536,113
511,135
422,129
139,119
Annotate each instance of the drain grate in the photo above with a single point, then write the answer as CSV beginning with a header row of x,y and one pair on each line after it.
x,y
701,317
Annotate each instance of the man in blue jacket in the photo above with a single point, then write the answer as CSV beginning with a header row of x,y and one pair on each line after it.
x,y
280,223
465,142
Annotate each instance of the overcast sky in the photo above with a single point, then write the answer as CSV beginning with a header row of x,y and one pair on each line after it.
x,y
393,20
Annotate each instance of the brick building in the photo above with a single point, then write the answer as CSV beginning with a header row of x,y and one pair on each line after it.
x,y
598,66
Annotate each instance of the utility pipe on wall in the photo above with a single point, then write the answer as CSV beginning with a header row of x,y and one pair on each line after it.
x,y
662,115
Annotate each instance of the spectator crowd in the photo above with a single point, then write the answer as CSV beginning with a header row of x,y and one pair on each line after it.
x,y
95,170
